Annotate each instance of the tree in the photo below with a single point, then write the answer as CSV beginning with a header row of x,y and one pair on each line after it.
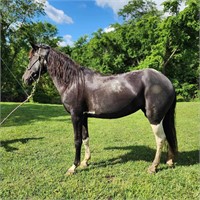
x,y
175,51
127,45
166,41
135,9
16,33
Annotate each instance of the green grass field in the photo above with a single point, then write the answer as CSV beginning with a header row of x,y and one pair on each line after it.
x,y
37,149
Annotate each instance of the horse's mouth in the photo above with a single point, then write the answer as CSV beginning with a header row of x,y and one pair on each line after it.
x,y
30,80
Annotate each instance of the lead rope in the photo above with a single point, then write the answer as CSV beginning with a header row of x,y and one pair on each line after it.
x,y
32,93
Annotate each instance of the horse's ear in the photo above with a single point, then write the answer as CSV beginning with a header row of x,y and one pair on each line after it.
x,y
34,46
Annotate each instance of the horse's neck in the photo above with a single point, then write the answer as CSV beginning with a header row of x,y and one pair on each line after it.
x,y
60,87
62,71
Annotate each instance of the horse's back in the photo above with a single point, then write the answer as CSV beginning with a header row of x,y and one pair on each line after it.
x,y
113,96
123,94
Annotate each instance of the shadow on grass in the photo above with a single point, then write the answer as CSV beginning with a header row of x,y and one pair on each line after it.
x,y
6,144
29,113
143,153
135,153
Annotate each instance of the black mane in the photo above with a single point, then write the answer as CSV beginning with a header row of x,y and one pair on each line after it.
x,y
63,67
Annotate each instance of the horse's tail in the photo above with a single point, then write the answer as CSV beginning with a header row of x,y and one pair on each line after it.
x,y
169,127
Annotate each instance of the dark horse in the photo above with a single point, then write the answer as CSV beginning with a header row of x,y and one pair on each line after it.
x,y
85,93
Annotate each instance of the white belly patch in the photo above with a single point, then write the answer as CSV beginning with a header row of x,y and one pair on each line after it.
x,y
89,112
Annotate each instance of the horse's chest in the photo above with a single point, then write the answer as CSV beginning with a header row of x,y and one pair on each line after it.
x,y
71,100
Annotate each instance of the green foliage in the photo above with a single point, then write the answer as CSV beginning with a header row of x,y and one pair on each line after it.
x,y
148,38
136,9
16,33
165,40
37,148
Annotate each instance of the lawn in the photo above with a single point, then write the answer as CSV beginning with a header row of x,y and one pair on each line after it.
x,y
37,149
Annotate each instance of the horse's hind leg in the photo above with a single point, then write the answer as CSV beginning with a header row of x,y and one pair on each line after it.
x,y
160,139
170,157
85,137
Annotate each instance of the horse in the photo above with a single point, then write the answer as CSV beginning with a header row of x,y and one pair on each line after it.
x,y
86,93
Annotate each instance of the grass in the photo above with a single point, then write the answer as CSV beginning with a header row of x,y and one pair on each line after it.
x,y
37,149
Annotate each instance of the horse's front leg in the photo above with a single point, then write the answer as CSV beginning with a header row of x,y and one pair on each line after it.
x,y
77,125
85,137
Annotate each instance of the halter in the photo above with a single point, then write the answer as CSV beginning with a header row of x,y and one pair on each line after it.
x,y
33,64
41,59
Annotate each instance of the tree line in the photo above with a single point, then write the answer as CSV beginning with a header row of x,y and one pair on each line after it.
x,y
165,40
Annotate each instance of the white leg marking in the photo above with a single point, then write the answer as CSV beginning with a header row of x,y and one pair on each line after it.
x,y
87,153
71,170
160,139
87,149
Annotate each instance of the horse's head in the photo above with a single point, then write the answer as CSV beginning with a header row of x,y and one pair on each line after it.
x,y
37,63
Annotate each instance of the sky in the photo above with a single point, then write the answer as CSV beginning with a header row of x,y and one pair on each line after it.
x,y
76,18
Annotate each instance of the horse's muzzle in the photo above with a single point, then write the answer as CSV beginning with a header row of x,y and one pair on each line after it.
x,y
27,80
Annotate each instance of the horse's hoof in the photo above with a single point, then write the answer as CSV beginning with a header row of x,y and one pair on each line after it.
x,y
170,164
83,165
152,170
71,170
69,173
